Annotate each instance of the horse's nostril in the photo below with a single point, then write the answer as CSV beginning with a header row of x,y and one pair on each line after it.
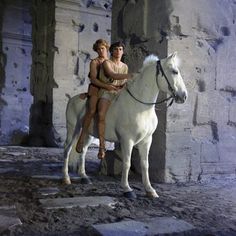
x,y
185,96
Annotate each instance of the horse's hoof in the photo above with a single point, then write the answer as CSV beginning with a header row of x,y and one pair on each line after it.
x,y
66,181
85,181
130,195
152,195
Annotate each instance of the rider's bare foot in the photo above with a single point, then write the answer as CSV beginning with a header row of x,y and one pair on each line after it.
x,y
101,153
83,95
79,147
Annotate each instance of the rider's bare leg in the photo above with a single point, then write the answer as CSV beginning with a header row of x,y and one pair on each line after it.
x,y
86,122
103,106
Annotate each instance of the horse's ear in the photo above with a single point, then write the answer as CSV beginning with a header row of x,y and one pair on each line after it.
x,y
173,55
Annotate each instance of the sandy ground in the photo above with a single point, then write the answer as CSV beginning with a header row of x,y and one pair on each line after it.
x,y
210,207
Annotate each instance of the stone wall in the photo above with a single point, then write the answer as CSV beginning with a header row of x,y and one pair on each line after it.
x,y
45,50
78,25
196,140
193,141
15,65
204,36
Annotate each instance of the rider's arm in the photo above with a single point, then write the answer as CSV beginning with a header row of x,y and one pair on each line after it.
x,y
93,77
111,74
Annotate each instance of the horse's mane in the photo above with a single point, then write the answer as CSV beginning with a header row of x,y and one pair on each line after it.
x,y
151,59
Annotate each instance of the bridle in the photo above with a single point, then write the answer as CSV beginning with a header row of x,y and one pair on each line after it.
x,y
173,95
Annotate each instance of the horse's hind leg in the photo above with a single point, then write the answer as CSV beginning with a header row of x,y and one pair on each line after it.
x,y
143,152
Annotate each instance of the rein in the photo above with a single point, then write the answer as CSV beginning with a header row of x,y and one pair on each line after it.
x,y
158,69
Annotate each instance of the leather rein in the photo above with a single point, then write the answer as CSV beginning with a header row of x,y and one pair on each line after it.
x,y
173,95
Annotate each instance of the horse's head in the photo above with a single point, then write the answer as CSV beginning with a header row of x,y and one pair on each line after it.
x,y
171,81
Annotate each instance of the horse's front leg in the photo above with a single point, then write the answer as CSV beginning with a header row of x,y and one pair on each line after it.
x,y
66,177
81,170
144,148
126,150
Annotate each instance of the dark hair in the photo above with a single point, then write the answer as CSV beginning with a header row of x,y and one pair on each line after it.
x,y
102,42
116,44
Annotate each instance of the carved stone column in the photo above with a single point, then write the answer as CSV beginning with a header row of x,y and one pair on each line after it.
x,y
78,25
42,80
143,26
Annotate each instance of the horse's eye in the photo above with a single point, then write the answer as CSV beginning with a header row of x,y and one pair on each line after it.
x,y
175,72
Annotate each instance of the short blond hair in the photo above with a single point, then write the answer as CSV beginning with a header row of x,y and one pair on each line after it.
x,y
102,42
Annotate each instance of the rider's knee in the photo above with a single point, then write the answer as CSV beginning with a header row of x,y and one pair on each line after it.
x,y
92,112
101,116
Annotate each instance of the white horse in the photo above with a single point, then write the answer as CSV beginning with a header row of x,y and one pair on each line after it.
x,y
131,119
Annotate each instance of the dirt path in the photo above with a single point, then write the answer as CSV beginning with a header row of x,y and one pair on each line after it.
x,y
211,207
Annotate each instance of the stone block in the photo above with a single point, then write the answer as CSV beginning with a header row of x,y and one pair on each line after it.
x,y
8,219
55,177
208,168
232,113
226,168
9,169
227,150
182,158
81,202
66,11
209,152
202,133
178,119
7,223
219,108
226,68
131,228
149,226
218,169
65,34
203,109
48,191
198,75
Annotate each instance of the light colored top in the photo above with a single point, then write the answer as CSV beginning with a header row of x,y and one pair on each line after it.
x,y
122,69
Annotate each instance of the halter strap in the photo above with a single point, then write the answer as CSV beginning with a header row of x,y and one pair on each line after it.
x,y
150,103
158,69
